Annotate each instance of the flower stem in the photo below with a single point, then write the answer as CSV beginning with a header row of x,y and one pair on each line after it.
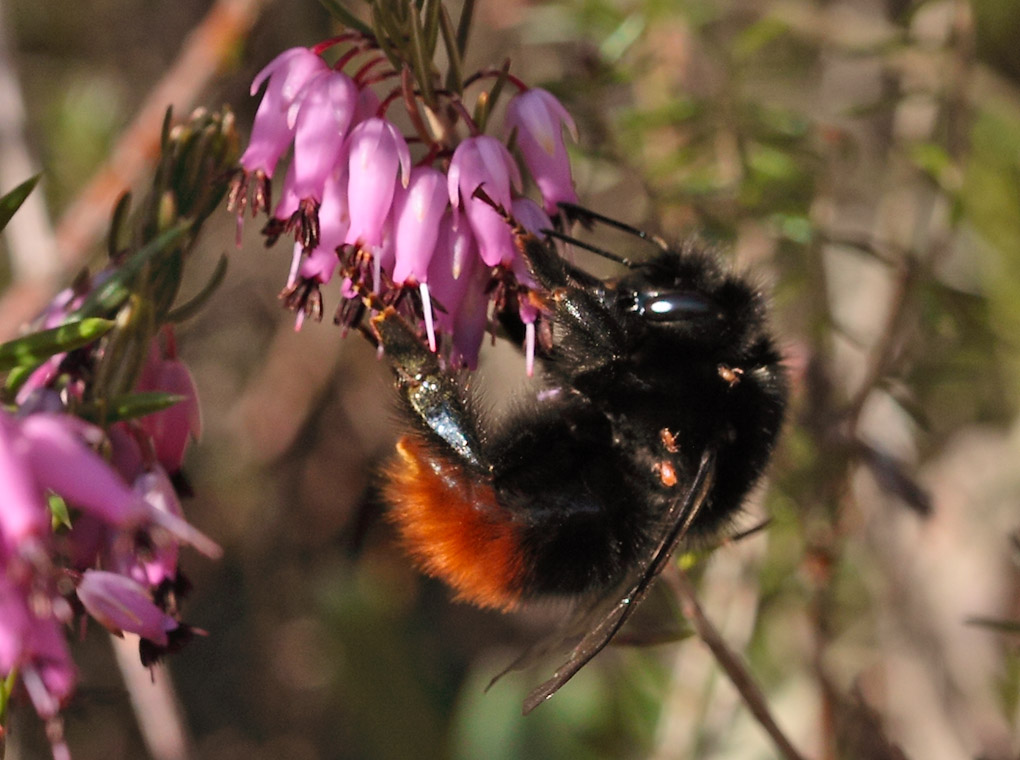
x,y
734,667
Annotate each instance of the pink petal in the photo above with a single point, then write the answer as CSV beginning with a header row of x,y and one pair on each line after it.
x,y
272,132
122,604
324,114
23,512
417,212
376,150
61,461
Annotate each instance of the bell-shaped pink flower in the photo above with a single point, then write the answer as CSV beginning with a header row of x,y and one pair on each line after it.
x,y
289,201
530,216
171,429
155,488
24,514
334,221
272,131
485,162
126,455
376,152
62,462
121,604
321,115
319,265
417,211
539,119
36,647
458,280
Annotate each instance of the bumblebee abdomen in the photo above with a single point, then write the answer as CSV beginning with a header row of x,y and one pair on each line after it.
x,y
454,527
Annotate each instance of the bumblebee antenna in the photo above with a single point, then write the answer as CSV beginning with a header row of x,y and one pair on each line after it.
x,y
573,211
592,248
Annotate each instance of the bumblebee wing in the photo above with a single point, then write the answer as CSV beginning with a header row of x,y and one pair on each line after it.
x,y
586,614
678,520
568,633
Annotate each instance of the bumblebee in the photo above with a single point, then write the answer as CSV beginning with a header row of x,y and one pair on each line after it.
x,y
663,394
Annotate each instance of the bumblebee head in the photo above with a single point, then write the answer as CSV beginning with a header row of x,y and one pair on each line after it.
x,y
685,299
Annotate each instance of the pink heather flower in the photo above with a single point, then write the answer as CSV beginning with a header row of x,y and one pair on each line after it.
x,y
121,604
59,459
376,150
539,119
34,645
24,514
289,201
156,489
334,221
321,115
171,429
92,543
458,281
273,131
417,211
62,462
319,265
485,162
530,216
125,452
315,266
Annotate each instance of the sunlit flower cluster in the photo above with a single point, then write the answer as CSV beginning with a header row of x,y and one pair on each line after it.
x,y
90,522
401,217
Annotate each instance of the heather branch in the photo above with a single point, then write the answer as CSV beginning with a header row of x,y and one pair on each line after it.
x,y
733,666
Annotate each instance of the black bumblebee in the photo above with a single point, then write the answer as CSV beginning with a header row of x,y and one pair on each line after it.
x,y
663,396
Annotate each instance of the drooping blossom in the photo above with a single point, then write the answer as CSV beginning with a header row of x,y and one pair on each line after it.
x,y
539,119
321,113
32,641
159,565
24,518
171,430
530,216
46,453
122,604
388,230
484,162
417,212
273,129
59,459
458,281
312,268
376,152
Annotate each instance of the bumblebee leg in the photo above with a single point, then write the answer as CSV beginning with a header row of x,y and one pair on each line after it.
x,y
439,486
435,399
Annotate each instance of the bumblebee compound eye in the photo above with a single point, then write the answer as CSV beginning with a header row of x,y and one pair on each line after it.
x,y
672,306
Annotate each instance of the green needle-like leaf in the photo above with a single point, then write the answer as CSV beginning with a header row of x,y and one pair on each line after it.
x,y
345,17
30,350
112,293
129,406
190,308
13,200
